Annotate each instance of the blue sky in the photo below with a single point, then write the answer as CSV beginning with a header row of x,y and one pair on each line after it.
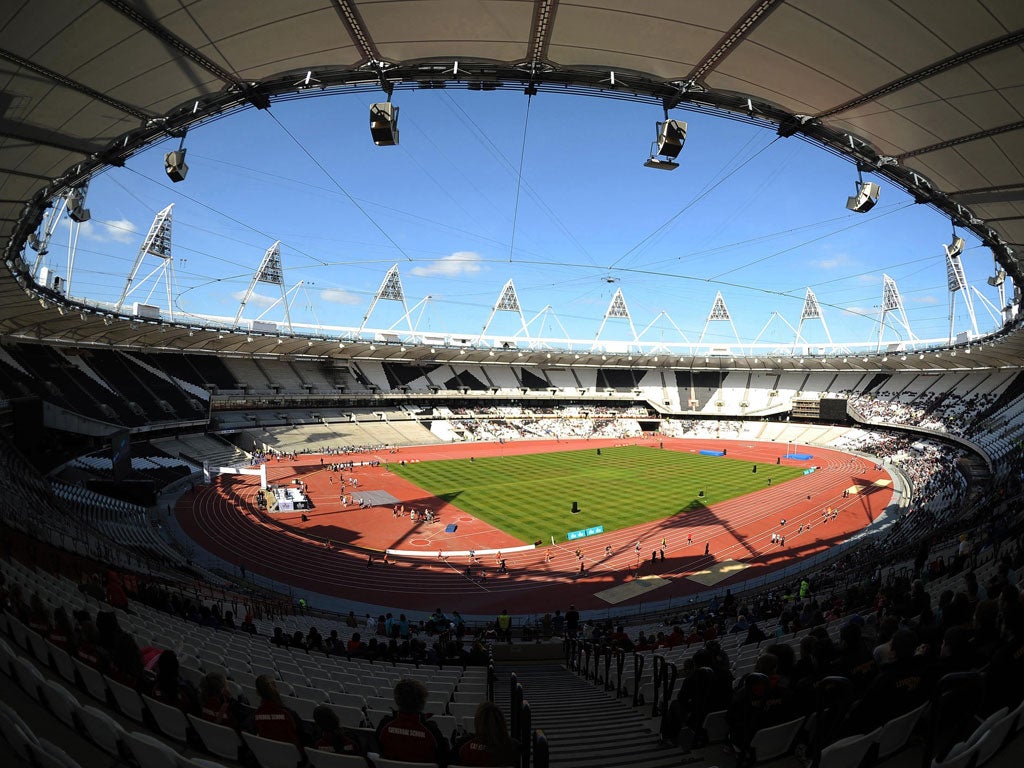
x,y
754,216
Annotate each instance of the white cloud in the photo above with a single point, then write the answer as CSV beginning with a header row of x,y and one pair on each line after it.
x,y
459,263
834,262
860,311
118,230
339,296
257,298
924,299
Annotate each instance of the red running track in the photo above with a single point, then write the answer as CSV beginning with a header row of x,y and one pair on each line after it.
x,y
219,518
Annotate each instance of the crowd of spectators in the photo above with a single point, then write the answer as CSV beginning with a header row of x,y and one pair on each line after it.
x,y
931,410
552,428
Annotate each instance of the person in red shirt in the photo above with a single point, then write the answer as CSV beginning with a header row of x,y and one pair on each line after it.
x,y
410,735
39,616
332,737
216,702
356,646
489,744
272,719
170,688
62,631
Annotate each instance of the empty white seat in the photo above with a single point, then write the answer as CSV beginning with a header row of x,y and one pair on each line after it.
x,y
462,709
46,754
61,702
127,699
772,742
320,759
150,752
62,662
105,732
848,752
350,717
217,739
170,720
309,692
896,733
93,681
380,762
28,676
380,702
16,737
302,707
374,716
272,754
962,755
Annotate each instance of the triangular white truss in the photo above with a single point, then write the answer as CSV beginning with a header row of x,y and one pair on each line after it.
x,y
618,310
719,313
508,301
270,271
956,281
892,302
544,319
718,310
662,346
156,245
811,311
390,290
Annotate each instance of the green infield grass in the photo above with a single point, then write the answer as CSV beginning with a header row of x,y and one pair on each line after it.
x,y
531,496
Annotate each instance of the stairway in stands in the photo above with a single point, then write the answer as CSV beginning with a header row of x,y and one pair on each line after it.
x,y
585,727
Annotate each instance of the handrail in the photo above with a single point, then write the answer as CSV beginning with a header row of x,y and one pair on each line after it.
x,y
525,733
608,684
665,676
620,663
516,704
638,671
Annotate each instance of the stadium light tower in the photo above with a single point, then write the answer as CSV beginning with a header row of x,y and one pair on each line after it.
x,y
956,281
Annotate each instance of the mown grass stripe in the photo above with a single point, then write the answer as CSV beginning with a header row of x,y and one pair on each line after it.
x,y
530,496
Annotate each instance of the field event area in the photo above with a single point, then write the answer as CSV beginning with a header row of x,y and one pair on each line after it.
x,y
531,496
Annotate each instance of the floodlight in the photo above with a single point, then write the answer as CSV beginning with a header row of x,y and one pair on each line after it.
x,y
77,211
660,163
37,245
866,197
998,278
174,165
384,124
955,248
671,137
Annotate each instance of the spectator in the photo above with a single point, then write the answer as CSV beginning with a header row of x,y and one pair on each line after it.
x,y
169,688
314,641
272,720
410,735
558,623
216,703
489,744
504,622
125,661
332,737
356,646
572,621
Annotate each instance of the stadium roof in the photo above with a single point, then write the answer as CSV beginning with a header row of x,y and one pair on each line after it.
x,y
927,94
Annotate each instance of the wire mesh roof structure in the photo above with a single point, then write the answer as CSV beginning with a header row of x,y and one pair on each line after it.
x,y
927,95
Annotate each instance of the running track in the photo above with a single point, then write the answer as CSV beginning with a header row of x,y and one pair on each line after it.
x,y
218,517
